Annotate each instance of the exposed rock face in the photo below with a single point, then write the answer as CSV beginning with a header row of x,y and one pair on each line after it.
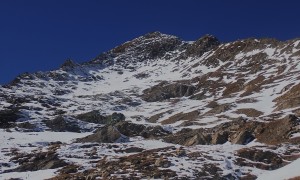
x,y
39,161
290,99
279,131
97,118
217,109
8,118
68,65
28,127
121,132
61,124
234,87
242,137
164,91
150,46
143,162
265,159
189,137
131,129
159,45
162,162
107,134
117,117
239,132
202,45
92,117
250,112
229,52
220,137
190,116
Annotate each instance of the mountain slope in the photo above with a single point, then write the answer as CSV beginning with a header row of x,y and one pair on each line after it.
x,y
200,109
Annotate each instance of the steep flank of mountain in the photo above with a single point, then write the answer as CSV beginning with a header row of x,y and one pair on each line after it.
x,y
157,107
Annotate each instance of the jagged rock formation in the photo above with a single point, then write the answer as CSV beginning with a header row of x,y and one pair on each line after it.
x,y
108,134
158,107
164,91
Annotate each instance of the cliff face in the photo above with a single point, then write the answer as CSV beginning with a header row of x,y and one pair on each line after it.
x,y
159,107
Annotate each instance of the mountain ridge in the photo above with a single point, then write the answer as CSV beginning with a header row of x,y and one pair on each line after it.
x,y
182,108
70,62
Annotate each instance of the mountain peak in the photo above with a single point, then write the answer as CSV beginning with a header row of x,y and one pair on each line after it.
x,y
157,35
156,45
149,46
202,45
208,37
153,35
68,64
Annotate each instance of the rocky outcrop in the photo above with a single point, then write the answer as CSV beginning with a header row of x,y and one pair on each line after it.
x,y
202,45
97,118
62,124
242,137
107,134
249,112
38,161
164,91
220,137
234,87
27,127
279,131
188,137
239,132
212,171
261,159
8,118
121,132
234,132
219,108
152,45
147,47
229,51
149,164
289,99
68,65
189,116
131,129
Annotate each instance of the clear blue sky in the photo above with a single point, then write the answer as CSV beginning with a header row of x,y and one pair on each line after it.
x,y
40,34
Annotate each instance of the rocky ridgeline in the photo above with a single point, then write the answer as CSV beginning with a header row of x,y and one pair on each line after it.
x,y
159,107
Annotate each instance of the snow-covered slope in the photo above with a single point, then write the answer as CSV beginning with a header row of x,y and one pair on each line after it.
x,y
201,109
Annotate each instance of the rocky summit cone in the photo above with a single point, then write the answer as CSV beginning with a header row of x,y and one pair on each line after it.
x,y
158,107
